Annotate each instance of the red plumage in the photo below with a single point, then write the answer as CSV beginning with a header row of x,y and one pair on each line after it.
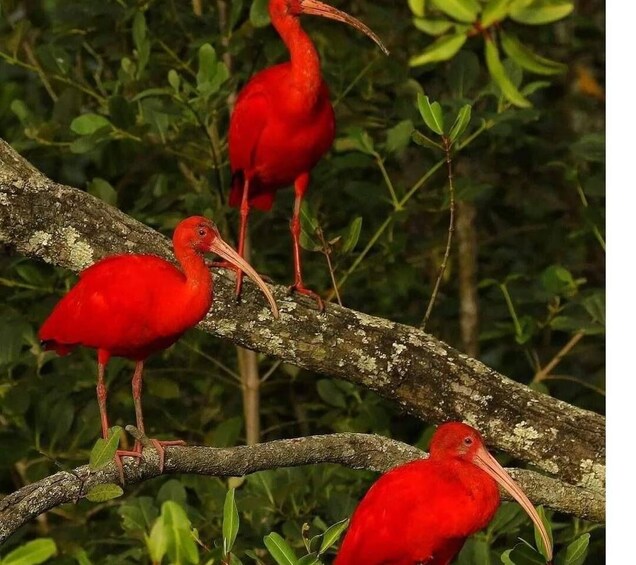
x,y
422,512
282,124
134,305
270,142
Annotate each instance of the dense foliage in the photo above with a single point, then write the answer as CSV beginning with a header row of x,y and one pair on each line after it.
x,y
131,100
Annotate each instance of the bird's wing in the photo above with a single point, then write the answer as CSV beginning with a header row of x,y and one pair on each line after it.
x,y
111,303
247,123
408,516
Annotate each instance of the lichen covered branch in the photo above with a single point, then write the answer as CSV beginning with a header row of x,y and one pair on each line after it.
x,y
357,451
424,376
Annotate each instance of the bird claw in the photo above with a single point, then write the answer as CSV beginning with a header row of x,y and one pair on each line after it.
x,y
161,451
120,464
299,288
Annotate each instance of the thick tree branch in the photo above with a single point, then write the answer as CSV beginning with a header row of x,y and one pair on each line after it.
x,y
358,451
426,377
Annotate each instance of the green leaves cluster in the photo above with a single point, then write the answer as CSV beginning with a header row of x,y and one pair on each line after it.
x,y
463,19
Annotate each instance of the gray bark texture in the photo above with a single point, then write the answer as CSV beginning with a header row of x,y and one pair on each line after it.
x,y
427,378
358,451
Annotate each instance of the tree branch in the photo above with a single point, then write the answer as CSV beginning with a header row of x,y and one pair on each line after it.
x,y
357,451
426,377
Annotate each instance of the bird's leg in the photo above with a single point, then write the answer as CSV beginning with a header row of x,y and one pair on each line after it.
x,y
245,210
101,398
158,445
101,401
300,187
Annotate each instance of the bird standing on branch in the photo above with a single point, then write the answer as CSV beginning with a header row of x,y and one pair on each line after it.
x,y
134,305
283,123
422,512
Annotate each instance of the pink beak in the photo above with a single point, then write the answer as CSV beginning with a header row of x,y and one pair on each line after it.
x,y
488,463
224,250
316,8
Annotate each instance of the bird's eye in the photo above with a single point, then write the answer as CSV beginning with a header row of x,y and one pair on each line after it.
x,y
468,440
202,231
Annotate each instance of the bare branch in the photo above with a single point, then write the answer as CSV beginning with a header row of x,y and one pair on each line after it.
x,y
357,451
426,377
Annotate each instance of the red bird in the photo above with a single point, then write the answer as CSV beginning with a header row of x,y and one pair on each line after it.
x,y
133,305
422,512
283,123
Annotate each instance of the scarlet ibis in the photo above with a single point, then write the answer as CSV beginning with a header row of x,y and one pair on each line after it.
x,y
423,511
134,305
283,123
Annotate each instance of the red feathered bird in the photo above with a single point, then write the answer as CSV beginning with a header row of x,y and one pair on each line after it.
x,y
133,305
422,512
283,123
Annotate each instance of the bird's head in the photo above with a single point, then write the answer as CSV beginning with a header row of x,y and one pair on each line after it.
x,y
460,441
201,235
280,9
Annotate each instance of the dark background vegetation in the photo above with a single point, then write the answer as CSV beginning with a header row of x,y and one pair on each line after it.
x,y
530,186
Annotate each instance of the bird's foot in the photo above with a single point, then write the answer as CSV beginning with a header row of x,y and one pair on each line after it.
x,y
120,464
161,451
300,288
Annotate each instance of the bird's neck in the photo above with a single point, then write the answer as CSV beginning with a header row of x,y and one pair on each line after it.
x,y
306,78
197,298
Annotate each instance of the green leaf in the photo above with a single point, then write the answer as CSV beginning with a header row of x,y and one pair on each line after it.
x,y
461,122
207,64
463,72
104,450
174,491
576,552
308,226
432,27
31,553
540,12
332,535
259,13
501,79
591,147
558,280
138,514
102,493
181,545
424,141
398,137
352,235
331,394
494,11
461,10
309,559
441,49
431,113
230,521
417,7
538,540
157,541
362,141
174,79
522,554
527,59
103,190
142,44
280,550
89,123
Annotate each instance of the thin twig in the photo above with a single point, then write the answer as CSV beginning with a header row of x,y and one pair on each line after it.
x,y
543,373
451,227
326,251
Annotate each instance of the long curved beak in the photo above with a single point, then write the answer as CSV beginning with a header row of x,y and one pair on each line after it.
x,y
224,250
316,8
488,463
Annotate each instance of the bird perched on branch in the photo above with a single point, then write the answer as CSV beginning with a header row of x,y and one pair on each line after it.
x,y
283,123
134,305
422,512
